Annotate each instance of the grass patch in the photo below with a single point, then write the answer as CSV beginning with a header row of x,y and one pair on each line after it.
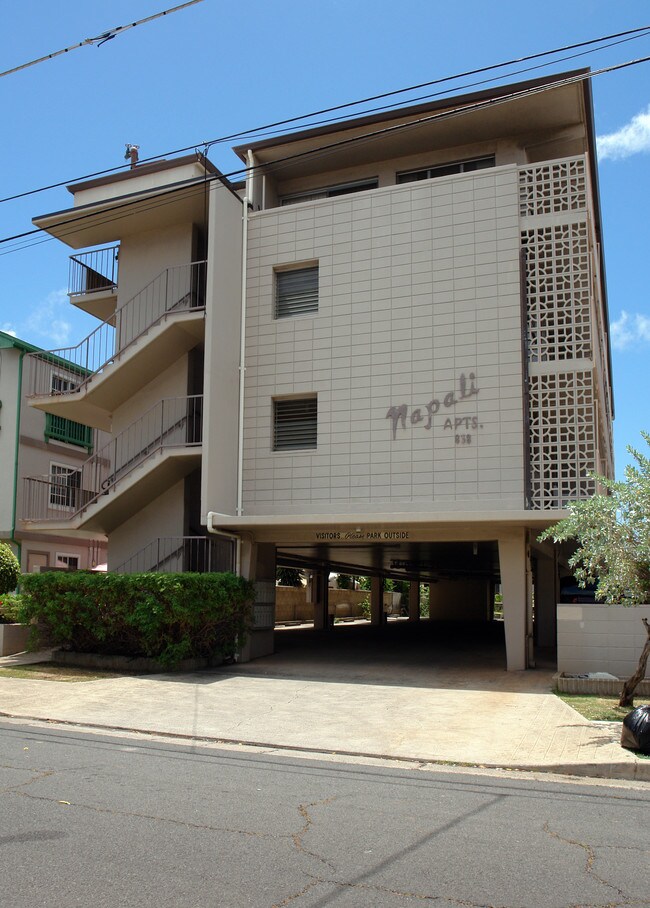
x,y
591,706
50,671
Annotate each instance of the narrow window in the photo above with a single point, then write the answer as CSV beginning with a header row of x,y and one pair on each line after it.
x,y
296,292
295,424
329,192
71,562
65,486
445,170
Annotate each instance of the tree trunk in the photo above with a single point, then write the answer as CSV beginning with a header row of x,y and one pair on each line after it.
x,y
627,694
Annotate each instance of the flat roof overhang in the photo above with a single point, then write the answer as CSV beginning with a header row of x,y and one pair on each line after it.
x,y
443,526
114,218
479,116
400,546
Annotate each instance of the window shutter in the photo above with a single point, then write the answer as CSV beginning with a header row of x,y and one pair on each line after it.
x,y
295,424
296,292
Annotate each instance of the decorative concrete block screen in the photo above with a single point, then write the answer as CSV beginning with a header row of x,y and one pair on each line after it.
x,y
553,188
600,638
557,292
553,207
562,438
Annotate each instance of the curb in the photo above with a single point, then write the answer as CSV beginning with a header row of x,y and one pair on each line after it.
x,y
634,772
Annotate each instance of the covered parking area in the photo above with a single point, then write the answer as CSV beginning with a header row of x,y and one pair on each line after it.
x,y
461,565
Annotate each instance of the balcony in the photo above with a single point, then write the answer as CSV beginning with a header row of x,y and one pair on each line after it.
x,y
72,433
176,554
92,284
87,383
121,478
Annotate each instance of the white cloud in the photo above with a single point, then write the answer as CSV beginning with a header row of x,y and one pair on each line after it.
x,y
48,321
630,139
629,329
8,330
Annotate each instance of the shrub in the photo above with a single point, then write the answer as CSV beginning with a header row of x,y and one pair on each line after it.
x,y
167,617
10,605
9,569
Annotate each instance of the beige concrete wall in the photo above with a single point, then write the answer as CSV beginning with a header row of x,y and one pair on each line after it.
x,y
143,256
162,517
137,182
171,382
600,638
292,604
419,285
222,353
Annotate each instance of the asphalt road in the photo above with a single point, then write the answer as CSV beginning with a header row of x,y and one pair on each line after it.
x,y
94,820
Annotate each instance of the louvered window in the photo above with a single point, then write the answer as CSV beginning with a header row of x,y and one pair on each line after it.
x,y
295,424
296,292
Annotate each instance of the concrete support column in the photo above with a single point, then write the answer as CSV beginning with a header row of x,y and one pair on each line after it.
x,y
414,600
514,561
376,601
320,598
546,599
258,565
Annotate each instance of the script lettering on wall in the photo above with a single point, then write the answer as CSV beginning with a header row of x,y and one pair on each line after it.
x,y
463,427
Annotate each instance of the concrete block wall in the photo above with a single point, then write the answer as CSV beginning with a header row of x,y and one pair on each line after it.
x,y
600,638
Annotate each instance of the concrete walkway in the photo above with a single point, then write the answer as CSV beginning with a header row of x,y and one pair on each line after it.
x,y
406,702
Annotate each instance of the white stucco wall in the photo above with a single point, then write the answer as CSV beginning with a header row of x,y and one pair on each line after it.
x,y
600,638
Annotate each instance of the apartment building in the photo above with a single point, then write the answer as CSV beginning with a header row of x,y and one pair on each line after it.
x,y
385,352
50,449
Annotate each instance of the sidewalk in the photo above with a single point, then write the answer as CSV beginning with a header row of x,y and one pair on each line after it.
x,y
432,713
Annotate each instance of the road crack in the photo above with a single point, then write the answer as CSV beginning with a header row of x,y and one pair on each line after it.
x,y
249,833
590,860
297,837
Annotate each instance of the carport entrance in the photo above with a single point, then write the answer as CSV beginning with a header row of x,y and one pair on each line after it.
x,y
462,565
449,591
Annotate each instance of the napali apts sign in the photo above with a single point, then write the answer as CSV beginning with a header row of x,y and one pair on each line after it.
x,y
402,416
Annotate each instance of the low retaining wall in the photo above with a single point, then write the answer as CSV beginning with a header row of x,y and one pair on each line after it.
x,y
600,638
603,687
13,639
138,664
291,603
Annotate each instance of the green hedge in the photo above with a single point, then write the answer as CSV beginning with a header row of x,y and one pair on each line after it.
x,y
10,605
167,617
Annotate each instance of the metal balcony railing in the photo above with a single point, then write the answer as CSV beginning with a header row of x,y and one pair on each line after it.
x,y
172,422
67,370
92,272
177,554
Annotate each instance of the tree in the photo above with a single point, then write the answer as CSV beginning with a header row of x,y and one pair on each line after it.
x,y
612,532
9,569
288,576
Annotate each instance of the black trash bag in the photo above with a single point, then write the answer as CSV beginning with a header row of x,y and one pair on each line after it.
x,y
636,730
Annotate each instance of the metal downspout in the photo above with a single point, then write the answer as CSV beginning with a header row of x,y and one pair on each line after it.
x,y
242,360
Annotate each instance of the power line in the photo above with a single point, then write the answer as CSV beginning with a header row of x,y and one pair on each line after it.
x,y
630,34
100,39
323,150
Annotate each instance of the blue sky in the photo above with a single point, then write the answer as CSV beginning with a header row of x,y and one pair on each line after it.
x,y
216,68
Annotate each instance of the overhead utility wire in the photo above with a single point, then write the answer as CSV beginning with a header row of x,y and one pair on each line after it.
x,y
100,39
436,94
198,182
635,33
